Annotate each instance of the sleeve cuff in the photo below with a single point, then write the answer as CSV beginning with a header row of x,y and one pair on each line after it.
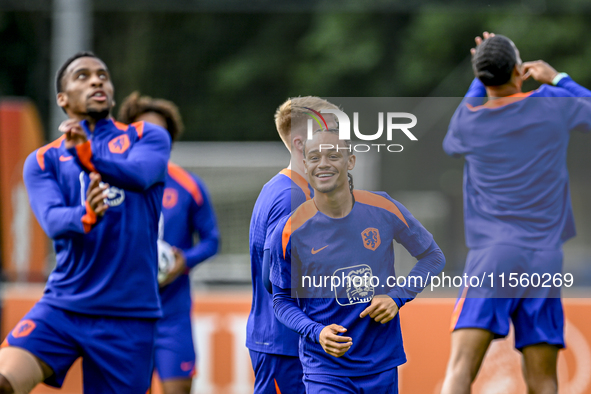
x,y
558,78
317,332
83,152
89,218
399,302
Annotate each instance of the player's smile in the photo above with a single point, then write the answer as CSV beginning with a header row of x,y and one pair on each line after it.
x,y
327,162
324,176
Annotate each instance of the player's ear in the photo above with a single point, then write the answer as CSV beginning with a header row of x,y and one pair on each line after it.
x,y
518,70
62,99
351,162
298,143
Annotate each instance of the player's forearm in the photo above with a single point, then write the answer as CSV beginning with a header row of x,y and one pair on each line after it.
x,y
144,165
47,202
567,83
62,221
139,175
136,173
289,314
430,263
206,248
266,271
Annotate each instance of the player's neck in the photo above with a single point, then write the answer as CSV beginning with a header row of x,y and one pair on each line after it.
x,y
336,204
91,122
505,90
297,169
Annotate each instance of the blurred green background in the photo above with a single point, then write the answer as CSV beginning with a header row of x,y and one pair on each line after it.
x,y
228,64
229,70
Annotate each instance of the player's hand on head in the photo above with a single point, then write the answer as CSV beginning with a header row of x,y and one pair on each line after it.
x,y
95,195
179,267
74,133
540,71
332,343
382,309
479,40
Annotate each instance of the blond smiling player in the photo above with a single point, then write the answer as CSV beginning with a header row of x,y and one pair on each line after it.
x,y
350,338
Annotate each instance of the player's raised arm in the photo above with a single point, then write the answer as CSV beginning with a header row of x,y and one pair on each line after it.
x,y
144,165
544,73
48,203
563,80
477,88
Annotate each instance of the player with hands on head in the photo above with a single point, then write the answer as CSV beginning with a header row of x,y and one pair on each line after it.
x,y
517,209
350,338
186,210
97,192
539,70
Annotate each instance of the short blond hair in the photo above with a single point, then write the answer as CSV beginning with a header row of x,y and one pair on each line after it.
x,y
294,112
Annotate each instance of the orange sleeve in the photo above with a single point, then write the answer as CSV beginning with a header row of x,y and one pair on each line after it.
x,y
89,219
84,152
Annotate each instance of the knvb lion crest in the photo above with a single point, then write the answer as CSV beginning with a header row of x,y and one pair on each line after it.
x,y
371,238
23,328
119,144
170,198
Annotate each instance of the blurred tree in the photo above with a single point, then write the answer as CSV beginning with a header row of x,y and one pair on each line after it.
x,y
24,56
229,71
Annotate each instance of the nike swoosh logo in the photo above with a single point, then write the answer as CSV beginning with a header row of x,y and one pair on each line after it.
x,y
316,251
66,158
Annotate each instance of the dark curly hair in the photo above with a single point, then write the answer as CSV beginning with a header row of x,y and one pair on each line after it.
x,y
494,60
135,105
